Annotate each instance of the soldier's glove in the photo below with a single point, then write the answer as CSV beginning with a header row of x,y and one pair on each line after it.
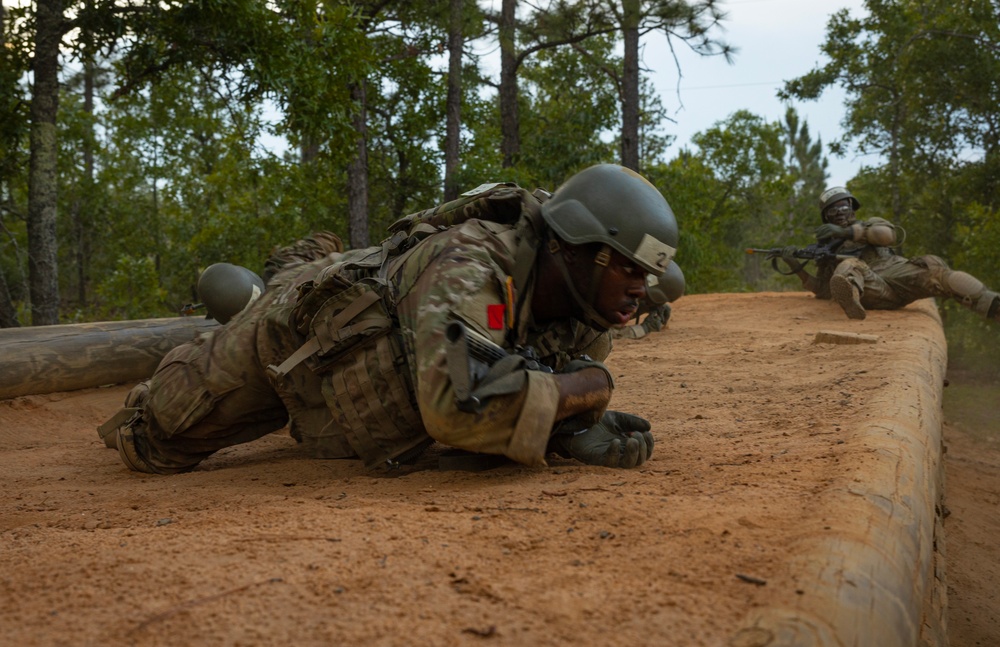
x,y
830,230
618,440
656,318
784,253
787,254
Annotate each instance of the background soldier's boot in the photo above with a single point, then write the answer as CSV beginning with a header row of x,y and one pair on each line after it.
x,y
989,305
310,248
847,295
134,403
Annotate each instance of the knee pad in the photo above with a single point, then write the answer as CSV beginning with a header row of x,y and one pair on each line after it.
x,y
963,285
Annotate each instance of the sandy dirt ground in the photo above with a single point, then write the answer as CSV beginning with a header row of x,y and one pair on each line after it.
x,y
263,546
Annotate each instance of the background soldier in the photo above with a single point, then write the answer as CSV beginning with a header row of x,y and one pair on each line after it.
x,y
350,349
661,291
874,276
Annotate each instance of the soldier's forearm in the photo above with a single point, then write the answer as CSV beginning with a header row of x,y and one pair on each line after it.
x,y
582,391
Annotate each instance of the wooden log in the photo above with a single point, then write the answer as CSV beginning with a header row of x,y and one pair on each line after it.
x,y
871,571
47,359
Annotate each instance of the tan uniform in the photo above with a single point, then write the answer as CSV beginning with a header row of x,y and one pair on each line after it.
x,y
887,281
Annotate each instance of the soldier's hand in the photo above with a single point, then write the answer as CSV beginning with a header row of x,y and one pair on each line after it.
x,y
784,253
656,318
830,230
787,254
618,440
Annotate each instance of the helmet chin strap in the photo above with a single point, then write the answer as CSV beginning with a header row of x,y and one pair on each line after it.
x,y
593,318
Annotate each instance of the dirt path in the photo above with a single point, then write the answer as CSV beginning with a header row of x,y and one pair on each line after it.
x,y
972,494
261,546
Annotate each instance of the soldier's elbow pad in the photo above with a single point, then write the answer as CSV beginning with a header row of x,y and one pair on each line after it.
x,y
881,235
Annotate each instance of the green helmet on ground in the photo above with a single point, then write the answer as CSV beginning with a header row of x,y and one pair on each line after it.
x,y
226,289
835,194
666,288
616,206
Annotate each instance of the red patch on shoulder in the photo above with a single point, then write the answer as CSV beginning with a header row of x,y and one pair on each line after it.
x,y
495,316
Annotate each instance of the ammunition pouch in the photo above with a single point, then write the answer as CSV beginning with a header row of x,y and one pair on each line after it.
x,y
352,344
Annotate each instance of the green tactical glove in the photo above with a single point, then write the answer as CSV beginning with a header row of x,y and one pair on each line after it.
x,y
787,254
830,230
784,253
618,440
656,318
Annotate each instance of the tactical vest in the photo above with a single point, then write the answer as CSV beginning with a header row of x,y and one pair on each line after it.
x,y
347,315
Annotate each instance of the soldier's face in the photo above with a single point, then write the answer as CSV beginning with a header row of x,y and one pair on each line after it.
x,y
621,289
840,213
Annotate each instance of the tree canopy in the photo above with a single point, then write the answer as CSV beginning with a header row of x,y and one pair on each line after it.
x,y
140,142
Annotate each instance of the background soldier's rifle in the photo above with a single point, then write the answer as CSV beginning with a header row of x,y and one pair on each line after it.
x,y
818,251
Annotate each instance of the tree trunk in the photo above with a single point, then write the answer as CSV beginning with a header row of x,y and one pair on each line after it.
x,y
630,86
357,173
42,173
8,313
510,121
308,150
453,104
82,215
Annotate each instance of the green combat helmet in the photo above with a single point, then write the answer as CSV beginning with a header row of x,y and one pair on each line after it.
x,y
833,194
666,288
617,207
226,289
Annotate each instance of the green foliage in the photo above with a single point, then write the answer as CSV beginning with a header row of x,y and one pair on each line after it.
x,y
188,92
132,291
404,119
568,112
921,91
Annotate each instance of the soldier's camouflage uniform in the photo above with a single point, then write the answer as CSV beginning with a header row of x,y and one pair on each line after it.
x,y
887,281
373,382
654,321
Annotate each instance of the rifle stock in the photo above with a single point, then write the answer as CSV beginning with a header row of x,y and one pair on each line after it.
x,y
470,356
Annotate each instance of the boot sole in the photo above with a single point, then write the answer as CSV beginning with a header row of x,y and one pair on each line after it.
x,y
846,296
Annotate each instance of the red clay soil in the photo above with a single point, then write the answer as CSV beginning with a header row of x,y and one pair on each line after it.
x,y
263,546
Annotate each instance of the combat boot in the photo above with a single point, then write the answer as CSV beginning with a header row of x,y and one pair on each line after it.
x,y
993,312
985,303
135,402
847,295
128,450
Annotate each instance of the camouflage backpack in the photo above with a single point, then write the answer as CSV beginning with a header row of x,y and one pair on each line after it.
x,y
346,313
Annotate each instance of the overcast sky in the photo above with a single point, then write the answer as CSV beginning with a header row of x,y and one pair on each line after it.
x,y
778,40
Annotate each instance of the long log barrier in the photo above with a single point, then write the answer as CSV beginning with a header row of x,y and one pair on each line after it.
x,y
873,575
46,359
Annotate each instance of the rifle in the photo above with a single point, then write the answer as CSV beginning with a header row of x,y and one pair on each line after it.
x,y
818,251
470,356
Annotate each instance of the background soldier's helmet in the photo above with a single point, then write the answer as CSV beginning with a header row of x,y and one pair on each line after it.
x,y
616,206
666,288
226,289
834,194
